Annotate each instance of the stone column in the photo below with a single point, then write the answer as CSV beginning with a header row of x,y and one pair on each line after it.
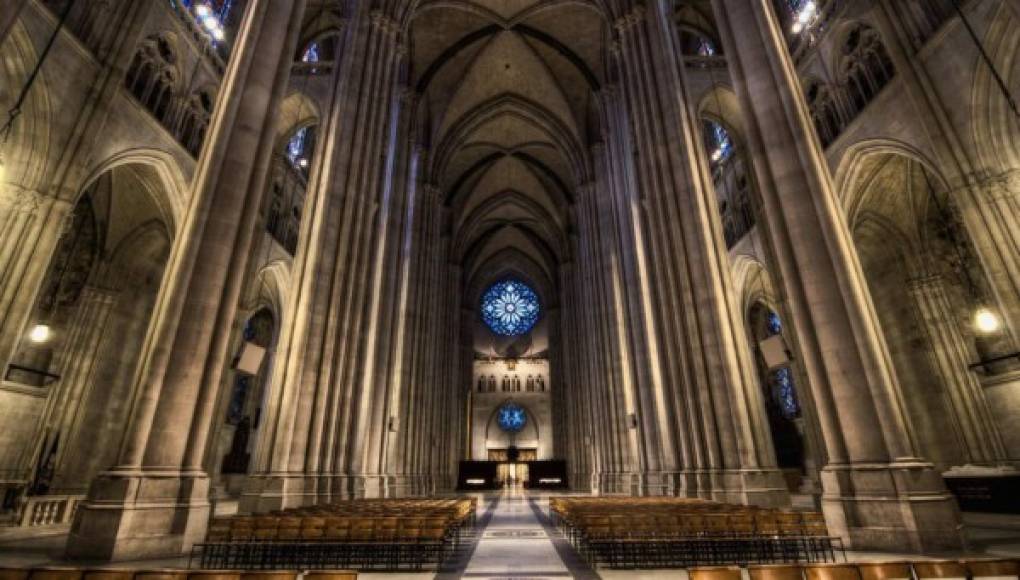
x,y
950,356
32,223
66,408
155,501
996,218
684,268
877,492
10,10
323,391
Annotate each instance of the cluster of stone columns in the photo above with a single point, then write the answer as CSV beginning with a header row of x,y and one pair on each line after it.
x,y
842,348
681,418
155,499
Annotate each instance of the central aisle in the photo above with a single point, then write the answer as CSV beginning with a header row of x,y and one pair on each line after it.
x,y
517,540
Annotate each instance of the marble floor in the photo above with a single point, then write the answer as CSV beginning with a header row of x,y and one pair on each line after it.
x,y
515,540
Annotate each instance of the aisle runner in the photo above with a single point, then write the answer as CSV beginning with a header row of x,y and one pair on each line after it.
x,y
515,540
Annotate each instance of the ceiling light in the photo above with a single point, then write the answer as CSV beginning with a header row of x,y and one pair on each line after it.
x,y
218,34
202,10
303,162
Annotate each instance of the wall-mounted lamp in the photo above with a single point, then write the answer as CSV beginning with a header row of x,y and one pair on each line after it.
x,y
40,333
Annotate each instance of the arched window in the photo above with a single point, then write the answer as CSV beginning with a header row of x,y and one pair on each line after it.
x,y
826,118
781,379
718,142
732,187
153,76
696,44
194,121
866,67
289,187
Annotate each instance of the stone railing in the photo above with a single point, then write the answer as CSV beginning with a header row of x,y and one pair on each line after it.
x,y
49,510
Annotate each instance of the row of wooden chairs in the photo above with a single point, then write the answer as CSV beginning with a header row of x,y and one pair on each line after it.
x,y
362,534
921,570
681,532
75,573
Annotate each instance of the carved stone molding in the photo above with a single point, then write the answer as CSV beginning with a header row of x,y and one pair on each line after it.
x,y
630,19
17,199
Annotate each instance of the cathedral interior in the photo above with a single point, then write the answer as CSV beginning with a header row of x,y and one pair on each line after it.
x,y
510,289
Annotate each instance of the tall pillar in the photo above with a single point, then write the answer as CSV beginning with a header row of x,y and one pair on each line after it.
x,y
979,436
877,492
32,223
323,390
66,409
10,10
687,295
154,502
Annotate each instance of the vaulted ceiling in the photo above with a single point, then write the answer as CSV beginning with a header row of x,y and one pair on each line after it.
x,y
508,111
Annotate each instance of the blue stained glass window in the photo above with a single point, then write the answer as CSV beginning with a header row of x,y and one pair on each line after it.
x,y
510,308
311,53
297,145
512,417
219,8
717,141
775,325
705,47
787,393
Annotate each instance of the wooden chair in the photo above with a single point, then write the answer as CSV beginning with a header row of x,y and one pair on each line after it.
x,y
55,573
331,575
161,575
108,574
775,572
715,573
885,571
939,569
993,568
831,572
214,575
270,575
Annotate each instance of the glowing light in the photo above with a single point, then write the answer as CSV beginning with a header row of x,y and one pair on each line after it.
x,y
40,333
803,18
202,10
986,321
303,163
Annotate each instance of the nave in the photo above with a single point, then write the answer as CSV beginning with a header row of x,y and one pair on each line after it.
x,y
515,535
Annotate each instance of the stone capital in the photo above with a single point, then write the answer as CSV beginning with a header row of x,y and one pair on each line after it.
x,y
1003,186
17,199
630,19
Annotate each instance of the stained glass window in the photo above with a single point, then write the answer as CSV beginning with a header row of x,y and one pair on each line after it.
x,y
775,324
782,378
298,148
220,9
718,142
705,47
510,308
512,418
311,53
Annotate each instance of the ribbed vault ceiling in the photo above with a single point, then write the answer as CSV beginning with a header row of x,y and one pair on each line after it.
x,y
507,108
